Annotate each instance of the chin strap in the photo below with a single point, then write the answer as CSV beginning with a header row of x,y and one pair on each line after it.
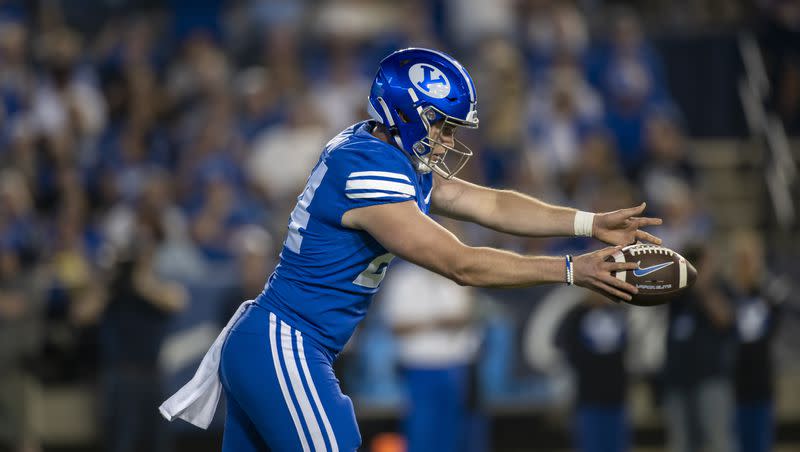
x,y
422,168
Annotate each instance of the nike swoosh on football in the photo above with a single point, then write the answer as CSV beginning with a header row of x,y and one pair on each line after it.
x,y
639,272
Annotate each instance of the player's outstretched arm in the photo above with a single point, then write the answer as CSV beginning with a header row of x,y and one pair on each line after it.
x,y
405,231
515,213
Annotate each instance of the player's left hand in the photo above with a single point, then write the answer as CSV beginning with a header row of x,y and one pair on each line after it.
x,y
622,227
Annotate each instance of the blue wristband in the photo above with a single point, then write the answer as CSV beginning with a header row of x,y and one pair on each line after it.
x,y
570,275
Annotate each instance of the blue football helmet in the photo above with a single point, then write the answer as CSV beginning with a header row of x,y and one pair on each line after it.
x,y
415,88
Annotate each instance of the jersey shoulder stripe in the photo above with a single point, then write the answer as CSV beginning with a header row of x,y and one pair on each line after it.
x,y
380,185
384,174
377,195
364,171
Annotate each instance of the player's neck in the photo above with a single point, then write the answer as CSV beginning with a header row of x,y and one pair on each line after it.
x,y
380,132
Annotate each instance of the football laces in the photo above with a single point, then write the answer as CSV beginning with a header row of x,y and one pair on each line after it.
x,y
643,248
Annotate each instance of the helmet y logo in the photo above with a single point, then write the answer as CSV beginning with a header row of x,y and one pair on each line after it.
x,y
429,80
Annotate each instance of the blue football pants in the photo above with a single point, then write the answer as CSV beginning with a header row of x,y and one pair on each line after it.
x,y
281,392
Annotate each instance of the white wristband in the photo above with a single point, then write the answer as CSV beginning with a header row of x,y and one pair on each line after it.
x,y
583,223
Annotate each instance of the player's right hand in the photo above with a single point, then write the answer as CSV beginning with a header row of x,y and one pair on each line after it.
x,y
591,271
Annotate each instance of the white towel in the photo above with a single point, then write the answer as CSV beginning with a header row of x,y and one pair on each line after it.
x,y
197,400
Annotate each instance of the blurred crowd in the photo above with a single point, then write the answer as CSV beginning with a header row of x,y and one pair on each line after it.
x,y
150,153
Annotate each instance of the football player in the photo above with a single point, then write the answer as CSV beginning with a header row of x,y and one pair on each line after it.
x,y
367,200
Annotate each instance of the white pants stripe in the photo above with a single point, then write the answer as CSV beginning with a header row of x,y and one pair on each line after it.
x,y
314,395
282,382
300,392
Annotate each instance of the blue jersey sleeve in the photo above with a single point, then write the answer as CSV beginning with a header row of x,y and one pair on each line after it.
x,y
363,176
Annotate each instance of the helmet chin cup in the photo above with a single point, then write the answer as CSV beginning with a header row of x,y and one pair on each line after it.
x,y
421,163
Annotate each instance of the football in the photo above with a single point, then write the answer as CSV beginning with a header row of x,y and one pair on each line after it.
x,y
661,275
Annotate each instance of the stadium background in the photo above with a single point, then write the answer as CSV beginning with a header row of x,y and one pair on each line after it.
x,y
168,141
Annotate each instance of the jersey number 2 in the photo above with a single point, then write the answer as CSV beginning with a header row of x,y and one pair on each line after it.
x,y
372,276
